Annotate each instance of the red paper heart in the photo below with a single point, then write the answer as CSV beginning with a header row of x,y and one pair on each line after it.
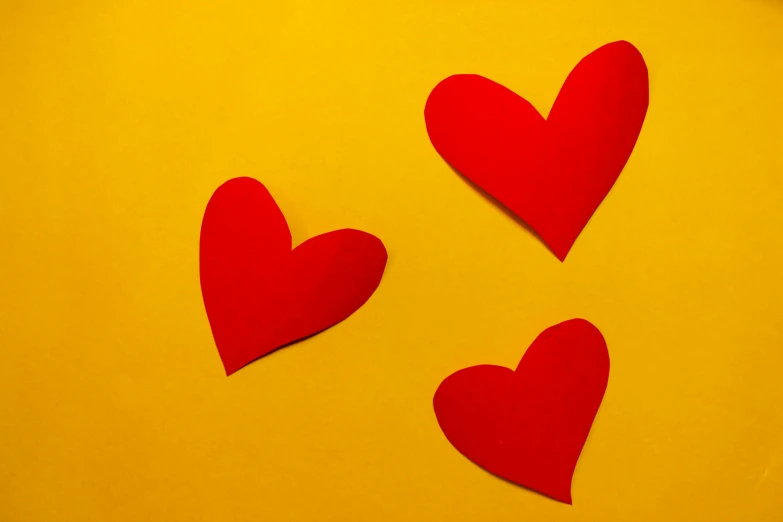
x,y
529,425
552,173
261,295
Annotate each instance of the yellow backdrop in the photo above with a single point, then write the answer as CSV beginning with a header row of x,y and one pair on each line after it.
x,y
119,119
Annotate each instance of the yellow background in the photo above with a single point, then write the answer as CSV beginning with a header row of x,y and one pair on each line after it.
x,y
119,119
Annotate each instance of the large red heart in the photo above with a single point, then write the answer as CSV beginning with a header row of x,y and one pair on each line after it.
x,y
529,425
552,173
259,293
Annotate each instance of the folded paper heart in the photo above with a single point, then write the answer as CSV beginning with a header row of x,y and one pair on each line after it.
x,y
529,426
554,172
260,294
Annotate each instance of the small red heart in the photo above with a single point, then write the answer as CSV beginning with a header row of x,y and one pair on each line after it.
x,y
259,293
552,173
529,425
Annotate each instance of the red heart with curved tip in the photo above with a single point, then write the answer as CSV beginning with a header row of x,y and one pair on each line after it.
x,y
259,293
554,172
529,425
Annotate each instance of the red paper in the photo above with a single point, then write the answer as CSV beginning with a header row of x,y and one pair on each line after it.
x,y
552,173
261,295
529,425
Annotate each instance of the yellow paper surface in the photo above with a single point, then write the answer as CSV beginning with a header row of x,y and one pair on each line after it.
x,y
119,119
